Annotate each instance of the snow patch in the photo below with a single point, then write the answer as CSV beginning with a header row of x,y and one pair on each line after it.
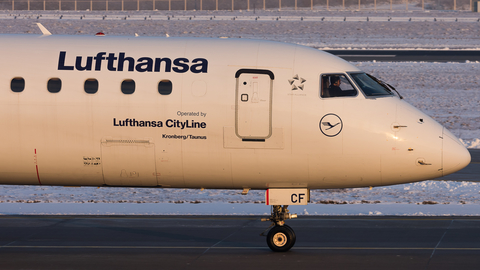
x,y
422,198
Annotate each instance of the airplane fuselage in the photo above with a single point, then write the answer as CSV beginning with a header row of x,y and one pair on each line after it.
x,y
204,113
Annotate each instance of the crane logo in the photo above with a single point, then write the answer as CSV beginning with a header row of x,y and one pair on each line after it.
x,y
331,125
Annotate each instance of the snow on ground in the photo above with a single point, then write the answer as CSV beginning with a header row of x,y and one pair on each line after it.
x,y
423,198
449,92
426,192
356,32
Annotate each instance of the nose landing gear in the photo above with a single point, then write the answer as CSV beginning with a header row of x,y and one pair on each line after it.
x,y
281,237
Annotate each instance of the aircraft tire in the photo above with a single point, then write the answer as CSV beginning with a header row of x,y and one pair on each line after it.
x,y
293,232
281,238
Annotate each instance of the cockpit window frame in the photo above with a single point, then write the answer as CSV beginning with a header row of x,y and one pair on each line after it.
x,y
349,79
360,89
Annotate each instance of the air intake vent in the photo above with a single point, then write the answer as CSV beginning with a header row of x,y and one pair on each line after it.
x,y
111,142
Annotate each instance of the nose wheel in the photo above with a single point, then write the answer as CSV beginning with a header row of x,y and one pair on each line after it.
x,y
281,237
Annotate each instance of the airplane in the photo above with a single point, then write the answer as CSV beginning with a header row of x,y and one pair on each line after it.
x,y
217,113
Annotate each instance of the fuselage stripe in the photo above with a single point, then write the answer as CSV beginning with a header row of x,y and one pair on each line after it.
x,y
36,167
268,201
38,176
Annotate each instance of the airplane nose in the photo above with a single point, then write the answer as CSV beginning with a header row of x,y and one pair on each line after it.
x,y
455,155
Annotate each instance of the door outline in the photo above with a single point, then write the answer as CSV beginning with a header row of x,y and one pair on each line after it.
x,y
118,170
237,100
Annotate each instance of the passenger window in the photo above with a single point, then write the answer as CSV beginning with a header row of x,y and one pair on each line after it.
x,y
165,87
128,87
17,85
336,85
54,85
91,86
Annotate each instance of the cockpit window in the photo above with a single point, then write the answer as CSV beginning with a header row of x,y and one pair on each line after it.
x,y
336,85
370,85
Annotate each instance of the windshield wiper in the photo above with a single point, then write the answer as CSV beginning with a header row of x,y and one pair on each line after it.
x,y
385,85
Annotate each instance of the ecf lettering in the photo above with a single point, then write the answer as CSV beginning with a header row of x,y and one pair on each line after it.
x,y
297,198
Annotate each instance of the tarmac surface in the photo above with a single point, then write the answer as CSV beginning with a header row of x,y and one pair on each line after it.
x,y
407,55
203,242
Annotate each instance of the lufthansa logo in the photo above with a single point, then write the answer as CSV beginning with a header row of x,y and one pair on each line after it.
x,y
331,125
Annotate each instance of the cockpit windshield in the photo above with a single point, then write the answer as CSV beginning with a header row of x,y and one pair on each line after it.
x,y
370,85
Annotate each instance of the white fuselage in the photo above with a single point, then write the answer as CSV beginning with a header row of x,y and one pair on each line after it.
x,y
241,114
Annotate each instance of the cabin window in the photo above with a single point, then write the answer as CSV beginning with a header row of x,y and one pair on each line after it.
x,y
370,85
336,85
165,87
54,85
17,85
128,87
91,86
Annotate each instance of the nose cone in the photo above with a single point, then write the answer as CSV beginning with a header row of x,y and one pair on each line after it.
x,y
455,155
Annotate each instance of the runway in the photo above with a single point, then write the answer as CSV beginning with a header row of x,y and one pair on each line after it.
x,y
205,242
407,55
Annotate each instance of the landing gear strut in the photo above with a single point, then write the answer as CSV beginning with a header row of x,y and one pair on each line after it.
x,y
281,237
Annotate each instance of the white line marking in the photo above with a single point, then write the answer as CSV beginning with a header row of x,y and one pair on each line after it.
x,y
372,55
205,247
